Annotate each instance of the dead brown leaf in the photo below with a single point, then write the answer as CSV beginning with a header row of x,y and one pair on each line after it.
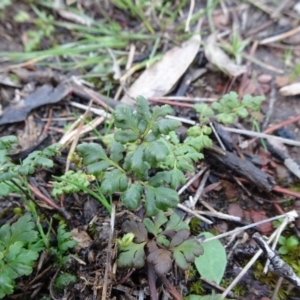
x,y
219,58
290,90
160,78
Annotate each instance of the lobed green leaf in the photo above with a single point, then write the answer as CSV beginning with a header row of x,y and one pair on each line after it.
x,y
132,256
186,252
91,152
113,181
124,137
116,151
125,118
131,198
159,198
165,126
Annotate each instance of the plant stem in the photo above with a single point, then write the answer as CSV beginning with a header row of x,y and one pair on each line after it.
x,y
152,282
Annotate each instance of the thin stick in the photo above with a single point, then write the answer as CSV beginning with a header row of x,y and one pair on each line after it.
x,y
275,127
186,209
189,17
196,176
219,215
217,136
279,37
239,229
200,188
108,255
182,98
262,135
76,136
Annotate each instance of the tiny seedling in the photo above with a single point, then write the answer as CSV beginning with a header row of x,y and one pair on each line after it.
x,y
288,244
159,241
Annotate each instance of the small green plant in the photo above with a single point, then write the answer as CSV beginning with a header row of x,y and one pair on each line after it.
x,y
146,161
44,27
64,243
288,244
159,241
144,141
64,280
237,46
13,176
20,244
225,111
19,249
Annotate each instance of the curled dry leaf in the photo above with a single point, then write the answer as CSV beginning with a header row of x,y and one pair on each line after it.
x,y
219,58
179,237
290,90
160,78
137,228
161,260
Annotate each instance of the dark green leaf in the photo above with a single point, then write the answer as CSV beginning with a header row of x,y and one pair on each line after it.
x,y
162,111
160,178
98,167
127,136
162,240
116,151
5,189
165,126
175,223
113,181
43,162
21,231
156,151
52,150
150,226
142,109
125,118
7,141
91,153
186,252
132,256
160,198
177,177
150,137
131,198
